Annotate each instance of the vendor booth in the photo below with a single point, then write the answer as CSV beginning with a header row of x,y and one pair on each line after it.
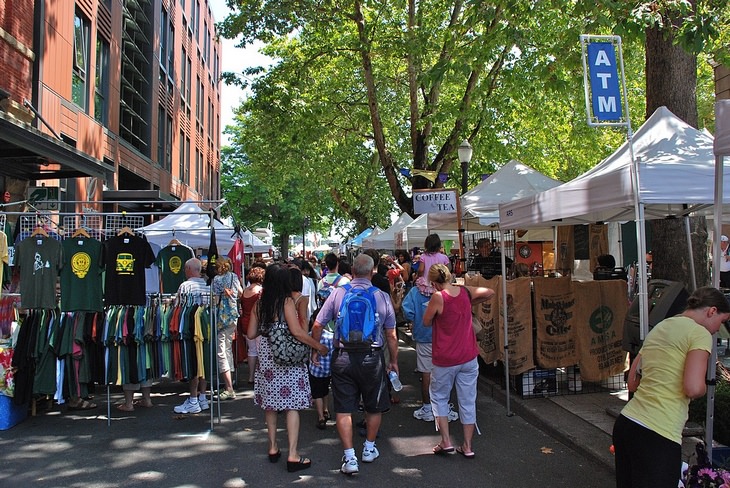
x,y
582,323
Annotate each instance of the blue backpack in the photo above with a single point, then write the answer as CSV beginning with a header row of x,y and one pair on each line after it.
x,y
357,318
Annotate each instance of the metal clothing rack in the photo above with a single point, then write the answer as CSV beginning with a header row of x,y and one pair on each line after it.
x,y
113,222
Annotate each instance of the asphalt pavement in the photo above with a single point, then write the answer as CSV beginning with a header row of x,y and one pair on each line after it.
x,y
155,446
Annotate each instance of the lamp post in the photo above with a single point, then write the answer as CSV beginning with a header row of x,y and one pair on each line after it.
x,y
305,224
465,152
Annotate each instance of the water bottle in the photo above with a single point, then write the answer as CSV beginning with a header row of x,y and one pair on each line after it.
x,y
394,380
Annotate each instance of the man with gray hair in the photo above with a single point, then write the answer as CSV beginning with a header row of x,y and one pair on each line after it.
x,y
360,373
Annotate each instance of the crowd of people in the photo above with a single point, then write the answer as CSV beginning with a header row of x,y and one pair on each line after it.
x,y
343,315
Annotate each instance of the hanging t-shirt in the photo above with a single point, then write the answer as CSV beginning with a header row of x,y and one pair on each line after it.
x,y
39,258
125,259
171,263
81,286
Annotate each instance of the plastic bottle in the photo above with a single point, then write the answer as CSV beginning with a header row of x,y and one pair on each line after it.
x,y
395,381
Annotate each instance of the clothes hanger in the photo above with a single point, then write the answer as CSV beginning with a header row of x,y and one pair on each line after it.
x,y
125,230
174,241
39,231
80,232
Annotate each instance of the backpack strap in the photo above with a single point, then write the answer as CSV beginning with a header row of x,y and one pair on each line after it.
x,y
336,281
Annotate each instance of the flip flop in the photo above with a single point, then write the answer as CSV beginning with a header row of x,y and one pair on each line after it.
x,y
83,405
468,455
439,450
141,403
124,408
294,466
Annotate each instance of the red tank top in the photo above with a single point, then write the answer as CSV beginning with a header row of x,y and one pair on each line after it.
x,y
454,341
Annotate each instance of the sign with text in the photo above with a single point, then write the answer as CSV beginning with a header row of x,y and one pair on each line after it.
x,y
43,197
435,201
602,79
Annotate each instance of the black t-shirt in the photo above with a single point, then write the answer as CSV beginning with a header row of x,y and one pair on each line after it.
x,y
381,282
126,258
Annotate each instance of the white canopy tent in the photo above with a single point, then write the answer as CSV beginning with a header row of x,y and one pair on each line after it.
x,y
190,225
387,238
480,205
676,174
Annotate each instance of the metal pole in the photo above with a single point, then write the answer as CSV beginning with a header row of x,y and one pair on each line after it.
x,y
505,323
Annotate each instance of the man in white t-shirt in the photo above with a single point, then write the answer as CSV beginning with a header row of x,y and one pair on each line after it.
x,y
724,262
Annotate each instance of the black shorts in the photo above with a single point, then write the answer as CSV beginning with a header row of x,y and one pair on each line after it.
x,y
357,375
320,386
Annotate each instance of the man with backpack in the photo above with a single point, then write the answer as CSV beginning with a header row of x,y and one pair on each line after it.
x,y
364,325
331,280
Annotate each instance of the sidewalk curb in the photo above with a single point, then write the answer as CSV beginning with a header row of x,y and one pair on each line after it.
x,y
549,417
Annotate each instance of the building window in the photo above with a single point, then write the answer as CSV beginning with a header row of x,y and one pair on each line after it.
x,y
171,51
198,169
184,159
196,20
79,90
101,85
168,144
161,116
199,108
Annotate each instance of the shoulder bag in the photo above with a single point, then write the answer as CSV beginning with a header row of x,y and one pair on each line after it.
x,y
285,348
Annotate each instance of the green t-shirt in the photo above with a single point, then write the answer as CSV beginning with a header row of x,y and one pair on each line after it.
x,y
81,275
39,259
171,262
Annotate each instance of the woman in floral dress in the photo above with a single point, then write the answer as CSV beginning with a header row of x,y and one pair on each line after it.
x,y
281,388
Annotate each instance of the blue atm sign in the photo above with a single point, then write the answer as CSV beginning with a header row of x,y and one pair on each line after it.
x,y
605,83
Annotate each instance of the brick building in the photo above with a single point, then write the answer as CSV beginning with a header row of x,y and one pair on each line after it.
x,y
110,99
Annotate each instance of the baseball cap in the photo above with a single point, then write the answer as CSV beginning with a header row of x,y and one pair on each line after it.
x,y
723,238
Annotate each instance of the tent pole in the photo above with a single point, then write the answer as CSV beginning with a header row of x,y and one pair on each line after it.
x,y
716,256
505,321
691,253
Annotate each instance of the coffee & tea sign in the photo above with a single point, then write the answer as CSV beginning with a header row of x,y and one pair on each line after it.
x,y
435,201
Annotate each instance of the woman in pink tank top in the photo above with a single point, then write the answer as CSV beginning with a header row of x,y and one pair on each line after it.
x,y
455,354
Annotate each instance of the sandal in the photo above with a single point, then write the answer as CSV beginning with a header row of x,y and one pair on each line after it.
x,y
440,450
124,408
466,454
303,463
82,405
322,424
275,457
142,403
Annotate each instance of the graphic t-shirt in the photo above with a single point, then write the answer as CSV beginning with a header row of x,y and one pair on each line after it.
x,y
81,286
39,258
125,259
171,262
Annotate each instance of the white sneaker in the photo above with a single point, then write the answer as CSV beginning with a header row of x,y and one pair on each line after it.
x,y
188,407
370,455
452,415
424,413
203,402
349,466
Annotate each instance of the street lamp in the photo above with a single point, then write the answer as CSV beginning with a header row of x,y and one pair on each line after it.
x,y
465,152
305,224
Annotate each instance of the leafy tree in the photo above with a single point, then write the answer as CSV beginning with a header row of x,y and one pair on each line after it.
x,y
407,81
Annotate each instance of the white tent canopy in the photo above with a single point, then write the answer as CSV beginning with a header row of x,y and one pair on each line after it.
x,y
511,182
387,238
190,225
480,205
676,168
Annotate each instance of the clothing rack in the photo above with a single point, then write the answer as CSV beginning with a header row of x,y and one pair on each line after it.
x,y
113,222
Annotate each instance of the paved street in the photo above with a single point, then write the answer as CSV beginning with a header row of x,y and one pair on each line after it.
x,y
156,446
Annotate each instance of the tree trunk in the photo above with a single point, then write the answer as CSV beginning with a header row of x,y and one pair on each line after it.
x,y
671,80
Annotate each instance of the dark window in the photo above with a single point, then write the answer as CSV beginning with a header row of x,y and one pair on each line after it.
x,y
79,88
101,85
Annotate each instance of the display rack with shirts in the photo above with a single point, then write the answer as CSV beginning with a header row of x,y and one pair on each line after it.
x,y
130,326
